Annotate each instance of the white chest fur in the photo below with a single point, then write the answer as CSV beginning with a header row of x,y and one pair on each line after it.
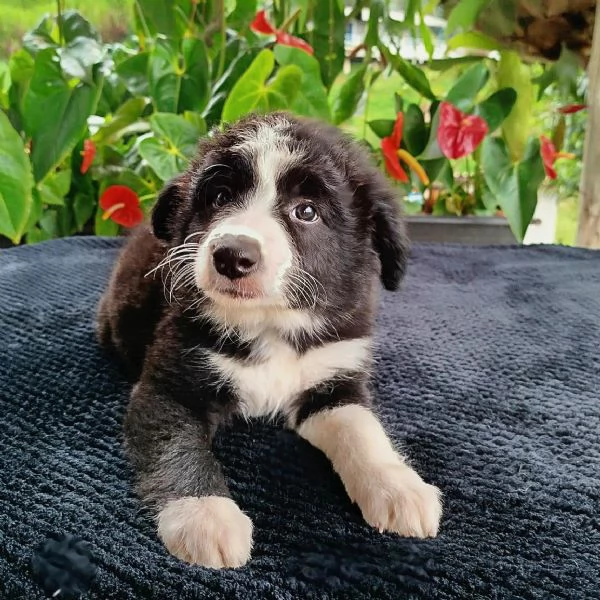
x,y
269,384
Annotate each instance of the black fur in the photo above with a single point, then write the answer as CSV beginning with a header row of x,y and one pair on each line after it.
x,y
179,400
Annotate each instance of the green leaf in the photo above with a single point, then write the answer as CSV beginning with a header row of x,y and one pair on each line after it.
x,y
243,14
514,185
398,102
327,38
16,182
157,16
69,104
425,34
473,40
349,95
464,14
224,85
516,127
134,73
376,10
312,97
252,93
4,84
436,169
175,141
382,127
432,150
497,107
415,132
413,76
83,210
179,81
443,64
464,91
79,57
55,187
114,125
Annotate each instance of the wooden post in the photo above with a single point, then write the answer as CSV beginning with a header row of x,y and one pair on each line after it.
x,y
588,232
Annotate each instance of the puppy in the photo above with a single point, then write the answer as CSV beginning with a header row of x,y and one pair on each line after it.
x,y
254,293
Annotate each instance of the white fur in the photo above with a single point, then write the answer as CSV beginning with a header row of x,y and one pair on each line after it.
x,y
210,531
270,156
278,374
391,495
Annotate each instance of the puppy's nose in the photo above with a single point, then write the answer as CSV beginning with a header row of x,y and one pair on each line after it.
x,y
236,256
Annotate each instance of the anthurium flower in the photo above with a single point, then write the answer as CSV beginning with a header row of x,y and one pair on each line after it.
x,y
122,205
569,109
392,153
550,155
261,25
458,133
89,151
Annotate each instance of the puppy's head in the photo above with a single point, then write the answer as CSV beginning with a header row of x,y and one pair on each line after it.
x,y
283,212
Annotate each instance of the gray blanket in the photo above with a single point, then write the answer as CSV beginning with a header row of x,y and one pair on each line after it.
x,y
488,376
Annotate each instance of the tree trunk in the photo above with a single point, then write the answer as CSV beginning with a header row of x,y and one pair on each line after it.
x,y
588,233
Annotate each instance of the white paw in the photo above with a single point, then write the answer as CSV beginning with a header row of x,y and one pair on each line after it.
x,y
392,497
211,531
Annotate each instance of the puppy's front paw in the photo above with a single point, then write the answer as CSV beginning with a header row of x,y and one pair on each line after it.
x,y
211,531
392,497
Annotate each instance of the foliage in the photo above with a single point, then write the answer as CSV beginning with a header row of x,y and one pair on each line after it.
x,y
82,120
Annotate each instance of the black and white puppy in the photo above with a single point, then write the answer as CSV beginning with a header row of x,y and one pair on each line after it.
x,y
264,259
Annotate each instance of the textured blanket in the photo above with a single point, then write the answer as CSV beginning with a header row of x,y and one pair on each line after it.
x,y
488,376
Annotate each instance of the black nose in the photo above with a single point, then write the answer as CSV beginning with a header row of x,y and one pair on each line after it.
x,y
236,256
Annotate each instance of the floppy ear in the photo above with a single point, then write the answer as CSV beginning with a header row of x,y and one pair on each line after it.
x,y
389,234
164,211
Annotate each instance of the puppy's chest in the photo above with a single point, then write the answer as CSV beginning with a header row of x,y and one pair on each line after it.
x,y
275,375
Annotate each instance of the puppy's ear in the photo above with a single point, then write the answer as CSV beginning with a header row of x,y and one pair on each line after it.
x,y
166,207
389,234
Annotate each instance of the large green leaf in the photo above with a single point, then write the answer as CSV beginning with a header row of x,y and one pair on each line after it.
x,y
179,80
413,75
376,12
497,107
464,92
55,111
516,127
157,16
382,127
464,14
16,182
173,145
55,187
515,185
327,38
224,85
348,96
4,84
415,132
473,40
312,96
252,93
133,71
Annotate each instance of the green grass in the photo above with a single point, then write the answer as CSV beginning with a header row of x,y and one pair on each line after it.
x,y
110,17
566,225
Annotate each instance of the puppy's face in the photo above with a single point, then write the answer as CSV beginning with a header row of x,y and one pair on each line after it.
x,y
283,213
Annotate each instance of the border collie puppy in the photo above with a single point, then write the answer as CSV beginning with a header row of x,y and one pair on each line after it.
x,y
263,261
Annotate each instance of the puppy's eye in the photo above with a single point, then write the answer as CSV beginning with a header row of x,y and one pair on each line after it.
x,y
221,197
306,212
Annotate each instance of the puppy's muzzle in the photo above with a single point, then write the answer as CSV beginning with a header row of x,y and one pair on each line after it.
x,y
235,256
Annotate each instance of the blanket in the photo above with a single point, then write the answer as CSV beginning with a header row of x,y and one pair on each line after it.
x,y
488,376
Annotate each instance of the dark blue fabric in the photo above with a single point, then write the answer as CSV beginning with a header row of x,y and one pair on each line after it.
x,y
488,375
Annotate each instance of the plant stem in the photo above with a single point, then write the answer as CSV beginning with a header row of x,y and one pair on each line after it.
x,y
59,12
220,6
290,20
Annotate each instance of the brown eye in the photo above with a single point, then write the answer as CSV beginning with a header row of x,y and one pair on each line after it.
x,y
306,213
221,198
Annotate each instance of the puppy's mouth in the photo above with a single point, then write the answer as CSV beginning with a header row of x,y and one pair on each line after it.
x,y
238,294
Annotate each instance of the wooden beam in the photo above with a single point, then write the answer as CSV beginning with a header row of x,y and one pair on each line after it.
x,y
588,232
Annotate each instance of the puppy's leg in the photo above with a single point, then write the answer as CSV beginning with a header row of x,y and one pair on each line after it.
x,y
182,481
391,495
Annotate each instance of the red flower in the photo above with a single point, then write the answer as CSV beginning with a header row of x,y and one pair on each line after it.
x,y
569,109
122,205
392,153
262,25
89,151
459,134
550,155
